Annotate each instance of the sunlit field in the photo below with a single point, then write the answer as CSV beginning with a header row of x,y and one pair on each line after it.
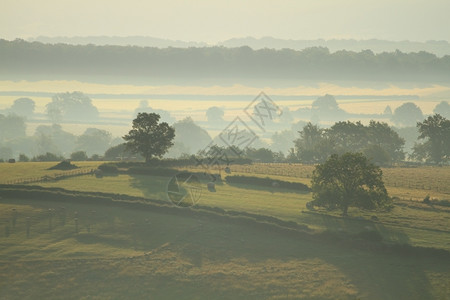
x,y
409,185
239,241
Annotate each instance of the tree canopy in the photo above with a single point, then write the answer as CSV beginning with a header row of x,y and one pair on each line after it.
x,y
377,140
407,114
12,127
25,60
349,180
443,109
435,130
74,106
149,137
94,141
23,107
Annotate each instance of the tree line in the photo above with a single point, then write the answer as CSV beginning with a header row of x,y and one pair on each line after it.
x,y
31,60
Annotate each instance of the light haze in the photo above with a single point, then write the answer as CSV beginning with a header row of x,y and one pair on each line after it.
x,y
214,21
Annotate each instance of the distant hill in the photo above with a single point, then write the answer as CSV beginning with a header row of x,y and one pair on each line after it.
x,y
440,48
22,60
143,41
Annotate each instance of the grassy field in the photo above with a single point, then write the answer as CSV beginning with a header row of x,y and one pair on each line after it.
x,y
128,253
121,253
25,170
406,183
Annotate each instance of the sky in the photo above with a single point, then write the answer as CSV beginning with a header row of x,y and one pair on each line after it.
x,y
213,21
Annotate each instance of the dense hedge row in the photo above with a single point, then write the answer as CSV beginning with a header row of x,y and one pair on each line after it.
x,y
267,182
155,171
179,162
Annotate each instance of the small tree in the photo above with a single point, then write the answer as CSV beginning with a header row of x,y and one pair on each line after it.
x,y
348,180
149,137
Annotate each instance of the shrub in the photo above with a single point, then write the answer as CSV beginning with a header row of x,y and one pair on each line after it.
x,y
64,165
109,168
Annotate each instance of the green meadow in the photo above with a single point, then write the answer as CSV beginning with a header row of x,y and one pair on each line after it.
x,y
241,241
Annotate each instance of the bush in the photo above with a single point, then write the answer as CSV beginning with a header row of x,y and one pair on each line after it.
x,y
109,168
64,165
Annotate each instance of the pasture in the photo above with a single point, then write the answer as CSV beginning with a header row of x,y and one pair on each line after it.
x,y
95,251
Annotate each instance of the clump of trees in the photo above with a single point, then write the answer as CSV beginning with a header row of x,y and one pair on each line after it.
x,y
377,140
74,106
348,180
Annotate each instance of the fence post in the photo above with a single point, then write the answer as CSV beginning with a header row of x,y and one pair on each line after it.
x,y
14,217
28,225
50,211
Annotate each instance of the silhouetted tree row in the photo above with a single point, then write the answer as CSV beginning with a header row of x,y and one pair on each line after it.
x,y
37,60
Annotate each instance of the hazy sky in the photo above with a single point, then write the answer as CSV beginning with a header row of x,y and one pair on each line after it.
x,y
212,21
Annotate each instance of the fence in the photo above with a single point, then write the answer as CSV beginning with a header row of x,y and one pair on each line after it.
x,y
53,177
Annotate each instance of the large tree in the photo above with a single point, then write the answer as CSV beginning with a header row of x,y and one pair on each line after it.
x,y
435,130
348,180
407,114
74,106
313,145
377,140
94,141
443,109
11,127
23,107
149,137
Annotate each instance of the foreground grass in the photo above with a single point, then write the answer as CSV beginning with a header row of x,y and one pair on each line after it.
x,y
163,256
125,253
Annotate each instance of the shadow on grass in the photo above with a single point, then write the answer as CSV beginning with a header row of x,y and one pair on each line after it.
x,y
270,189
153,187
